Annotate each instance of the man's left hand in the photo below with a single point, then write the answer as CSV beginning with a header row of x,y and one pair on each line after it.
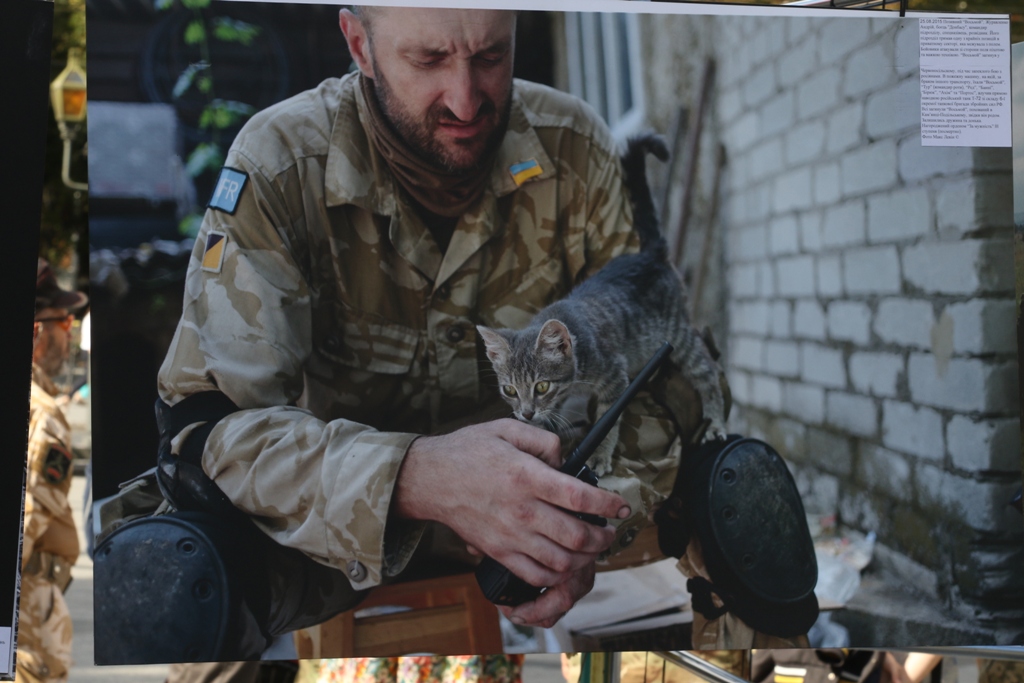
x,y
553,603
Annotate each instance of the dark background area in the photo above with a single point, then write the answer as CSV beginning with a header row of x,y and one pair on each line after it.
x,y
25,34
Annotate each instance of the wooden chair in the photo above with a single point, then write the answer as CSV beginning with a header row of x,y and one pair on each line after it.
x,y
447,615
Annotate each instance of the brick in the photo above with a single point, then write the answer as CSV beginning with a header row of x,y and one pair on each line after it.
x,y
765,159
918,163
784,236
805,142
792,190
748,244
880,469
874,270
822,365
844,128
854,414
817,93
962,384
808,320
894,110
826,184
913,430
798,29
743,131
766,393
804,402
849,321
868,69
746,352
750,317
730,104
766,279
782,359
843,225
743,281
780,320
978,504
830,283
840,36
810,231
857,509
797,62
984,326
974,203
908,48
981,445
869,168
759,86
963,267
818,492
739,385
830,451
877,374
795,275
759,202
906,322
778,114
900,215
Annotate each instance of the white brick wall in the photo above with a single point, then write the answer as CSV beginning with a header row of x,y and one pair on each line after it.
x,y
870,283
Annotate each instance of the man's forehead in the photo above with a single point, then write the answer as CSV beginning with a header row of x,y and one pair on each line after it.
x,y
423,28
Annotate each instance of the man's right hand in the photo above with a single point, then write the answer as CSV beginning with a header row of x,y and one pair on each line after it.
x,y
497,486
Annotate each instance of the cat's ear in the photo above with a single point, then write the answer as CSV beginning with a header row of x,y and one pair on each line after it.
x,y
554,341
496,346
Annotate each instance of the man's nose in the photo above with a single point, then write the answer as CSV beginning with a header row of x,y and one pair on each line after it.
x,y
462,96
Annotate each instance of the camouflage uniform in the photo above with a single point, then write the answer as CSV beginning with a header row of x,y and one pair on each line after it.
x,y
50,544
330,316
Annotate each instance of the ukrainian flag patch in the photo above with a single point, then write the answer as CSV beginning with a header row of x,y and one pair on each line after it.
x,y
213,256
229,189
525,170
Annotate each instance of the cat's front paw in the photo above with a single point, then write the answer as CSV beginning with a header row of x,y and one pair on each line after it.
x,y
714,432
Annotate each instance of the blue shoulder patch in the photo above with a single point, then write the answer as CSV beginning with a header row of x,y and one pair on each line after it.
x,y
229,189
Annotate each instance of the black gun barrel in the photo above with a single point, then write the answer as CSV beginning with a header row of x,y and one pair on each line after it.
x,y
578,458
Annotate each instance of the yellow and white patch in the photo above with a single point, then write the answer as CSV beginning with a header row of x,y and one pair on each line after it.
x,y
213,256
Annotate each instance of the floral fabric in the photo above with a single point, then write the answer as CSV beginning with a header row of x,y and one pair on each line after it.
x,y
423,669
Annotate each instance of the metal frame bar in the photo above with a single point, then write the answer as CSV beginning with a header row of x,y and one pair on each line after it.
x,y
701,667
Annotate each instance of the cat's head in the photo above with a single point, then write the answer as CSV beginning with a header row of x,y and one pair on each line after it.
x,y
535,370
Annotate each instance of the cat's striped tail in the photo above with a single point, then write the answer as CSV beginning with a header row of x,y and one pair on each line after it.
x,y
645,218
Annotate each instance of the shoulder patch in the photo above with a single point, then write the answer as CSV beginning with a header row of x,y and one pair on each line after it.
x,y
56,465
213,255
525,170
228,191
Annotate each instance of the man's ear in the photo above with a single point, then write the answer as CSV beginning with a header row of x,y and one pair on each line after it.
x,y
358,40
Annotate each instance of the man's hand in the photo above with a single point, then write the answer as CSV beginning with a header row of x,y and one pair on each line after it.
x,y
495,485
553,603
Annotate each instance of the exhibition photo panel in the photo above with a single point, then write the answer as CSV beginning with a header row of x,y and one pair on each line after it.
x,y
321,258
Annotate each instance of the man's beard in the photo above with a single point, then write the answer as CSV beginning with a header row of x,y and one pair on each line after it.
x,y
419,134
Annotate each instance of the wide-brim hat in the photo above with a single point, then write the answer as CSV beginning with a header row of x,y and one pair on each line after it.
x,y
50,295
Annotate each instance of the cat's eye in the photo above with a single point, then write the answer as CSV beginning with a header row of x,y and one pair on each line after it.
x,y
509,390
542,387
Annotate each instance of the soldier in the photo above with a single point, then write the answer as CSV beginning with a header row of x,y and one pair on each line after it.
x,y
357,235
50,544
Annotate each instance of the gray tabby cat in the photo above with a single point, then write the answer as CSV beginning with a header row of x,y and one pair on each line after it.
x,y
589,344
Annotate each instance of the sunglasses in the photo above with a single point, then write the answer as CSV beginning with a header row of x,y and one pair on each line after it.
x,y
63,321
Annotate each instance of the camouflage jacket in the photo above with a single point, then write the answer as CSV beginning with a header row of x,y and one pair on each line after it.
x,y
49,526
319,303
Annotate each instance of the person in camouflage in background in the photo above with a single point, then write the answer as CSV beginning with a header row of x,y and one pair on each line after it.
x,y
50,542
357,235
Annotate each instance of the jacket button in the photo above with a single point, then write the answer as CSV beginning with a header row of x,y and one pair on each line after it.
x,y
443,292
628,537
455,334
356,570
332,344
